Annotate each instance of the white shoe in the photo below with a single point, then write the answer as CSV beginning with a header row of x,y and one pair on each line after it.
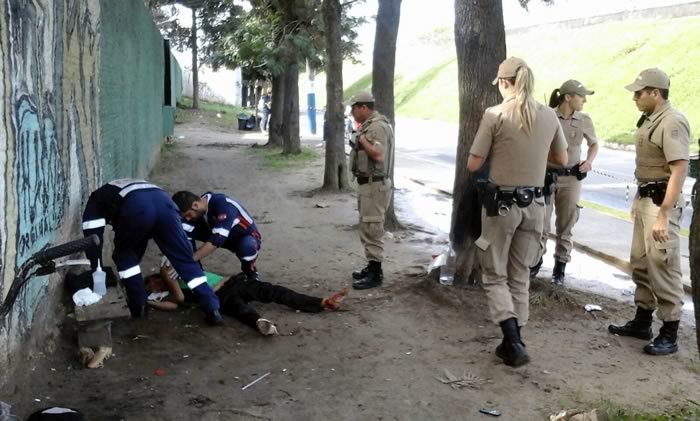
x,y
266,327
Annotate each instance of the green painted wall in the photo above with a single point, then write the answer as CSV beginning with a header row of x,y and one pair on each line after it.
x,y
131,89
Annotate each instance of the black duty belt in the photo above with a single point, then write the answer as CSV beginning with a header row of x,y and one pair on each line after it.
x,y
574,171
497,201
364,180
656,190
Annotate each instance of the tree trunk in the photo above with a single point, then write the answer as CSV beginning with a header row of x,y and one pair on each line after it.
x,y
335,176
694,240
258,95
195,65
290,115
244,96
276,135
383,64
481,46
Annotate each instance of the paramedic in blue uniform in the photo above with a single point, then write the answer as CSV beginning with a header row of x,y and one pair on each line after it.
x,y
139,211
220,221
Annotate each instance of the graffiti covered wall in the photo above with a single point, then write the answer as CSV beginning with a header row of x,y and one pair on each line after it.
x,y
81,95
48,133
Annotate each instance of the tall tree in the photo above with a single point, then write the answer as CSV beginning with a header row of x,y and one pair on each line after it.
x,y
383,65
480,40
335,175
694,239
195,66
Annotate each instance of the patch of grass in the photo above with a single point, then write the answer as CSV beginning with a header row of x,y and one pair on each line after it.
x,y
216,107
273,159
617,413
617,213
365,82
605,57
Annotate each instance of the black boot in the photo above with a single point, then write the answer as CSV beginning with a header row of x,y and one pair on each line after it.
x,y
512,349
373,279
665,343
536,269
558,273
359,274
213,318
640,327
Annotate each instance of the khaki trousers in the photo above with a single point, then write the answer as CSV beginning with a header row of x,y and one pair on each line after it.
x,y
509,245
656,267
565,206
372,201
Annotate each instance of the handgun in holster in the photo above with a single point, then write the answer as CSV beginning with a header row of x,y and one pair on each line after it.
x,y
493,200
550,184
656,191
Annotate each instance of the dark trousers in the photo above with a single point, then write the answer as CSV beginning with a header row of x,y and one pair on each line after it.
x,y
238,292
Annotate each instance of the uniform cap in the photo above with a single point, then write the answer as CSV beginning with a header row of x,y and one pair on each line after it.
x,y
574,87
509,68
360,97
650,78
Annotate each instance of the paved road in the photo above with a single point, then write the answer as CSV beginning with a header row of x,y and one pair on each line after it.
x,y
425,148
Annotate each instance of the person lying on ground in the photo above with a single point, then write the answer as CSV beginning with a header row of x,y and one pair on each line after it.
x,y
235,294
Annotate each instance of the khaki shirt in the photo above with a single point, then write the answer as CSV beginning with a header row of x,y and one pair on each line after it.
x,y
577,127
663,137
517,159
378,132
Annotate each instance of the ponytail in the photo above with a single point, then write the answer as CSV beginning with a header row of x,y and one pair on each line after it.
x,y
525,105
556,98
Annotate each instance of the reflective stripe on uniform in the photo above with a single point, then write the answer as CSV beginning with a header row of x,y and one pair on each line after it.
x,y
94,223
196,282
243,213
187,227
221,231
250,258
128,273
134,187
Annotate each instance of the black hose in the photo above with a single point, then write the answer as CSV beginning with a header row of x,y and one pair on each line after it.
x,y
23,272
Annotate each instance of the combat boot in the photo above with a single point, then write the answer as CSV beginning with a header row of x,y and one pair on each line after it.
x,y
512,349
213,318
536,269
665,343
373,279
359,274
639,327
558,273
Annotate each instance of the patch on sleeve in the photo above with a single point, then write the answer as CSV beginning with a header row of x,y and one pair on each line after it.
x,y
221,217
674,134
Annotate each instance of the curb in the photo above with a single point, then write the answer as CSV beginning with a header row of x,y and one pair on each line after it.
x,y
620,264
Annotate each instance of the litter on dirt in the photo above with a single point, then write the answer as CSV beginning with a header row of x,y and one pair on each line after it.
x,y
467,380
255,381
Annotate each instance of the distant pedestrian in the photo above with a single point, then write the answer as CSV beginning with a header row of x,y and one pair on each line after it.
x,y
370,162
567,101
266,110
662,146
518,137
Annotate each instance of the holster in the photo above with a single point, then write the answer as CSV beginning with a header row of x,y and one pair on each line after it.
x,y
550,184
655,190
576,172
498,202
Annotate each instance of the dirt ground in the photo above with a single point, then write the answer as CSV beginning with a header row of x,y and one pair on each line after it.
x,y
380,359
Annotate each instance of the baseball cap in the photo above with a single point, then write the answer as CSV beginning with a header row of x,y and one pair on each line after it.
x,y
571,87
508,68
360,96
650,78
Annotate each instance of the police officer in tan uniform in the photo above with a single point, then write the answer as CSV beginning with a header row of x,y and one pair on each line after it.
x,y
662,146
370,163
518,137
567,102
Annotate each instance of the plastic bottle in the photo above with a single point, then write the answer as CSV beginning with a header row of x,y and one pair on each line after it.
x,y
99,280
447,271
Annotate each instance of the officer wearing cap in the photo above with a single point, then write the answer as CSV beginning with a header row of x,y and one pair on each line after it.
x,y
518,137
662,148
370,161
567,101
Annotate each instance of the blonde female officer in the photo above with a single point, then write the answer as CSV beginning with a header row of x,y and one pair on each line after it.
x,y
567,102
518,136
